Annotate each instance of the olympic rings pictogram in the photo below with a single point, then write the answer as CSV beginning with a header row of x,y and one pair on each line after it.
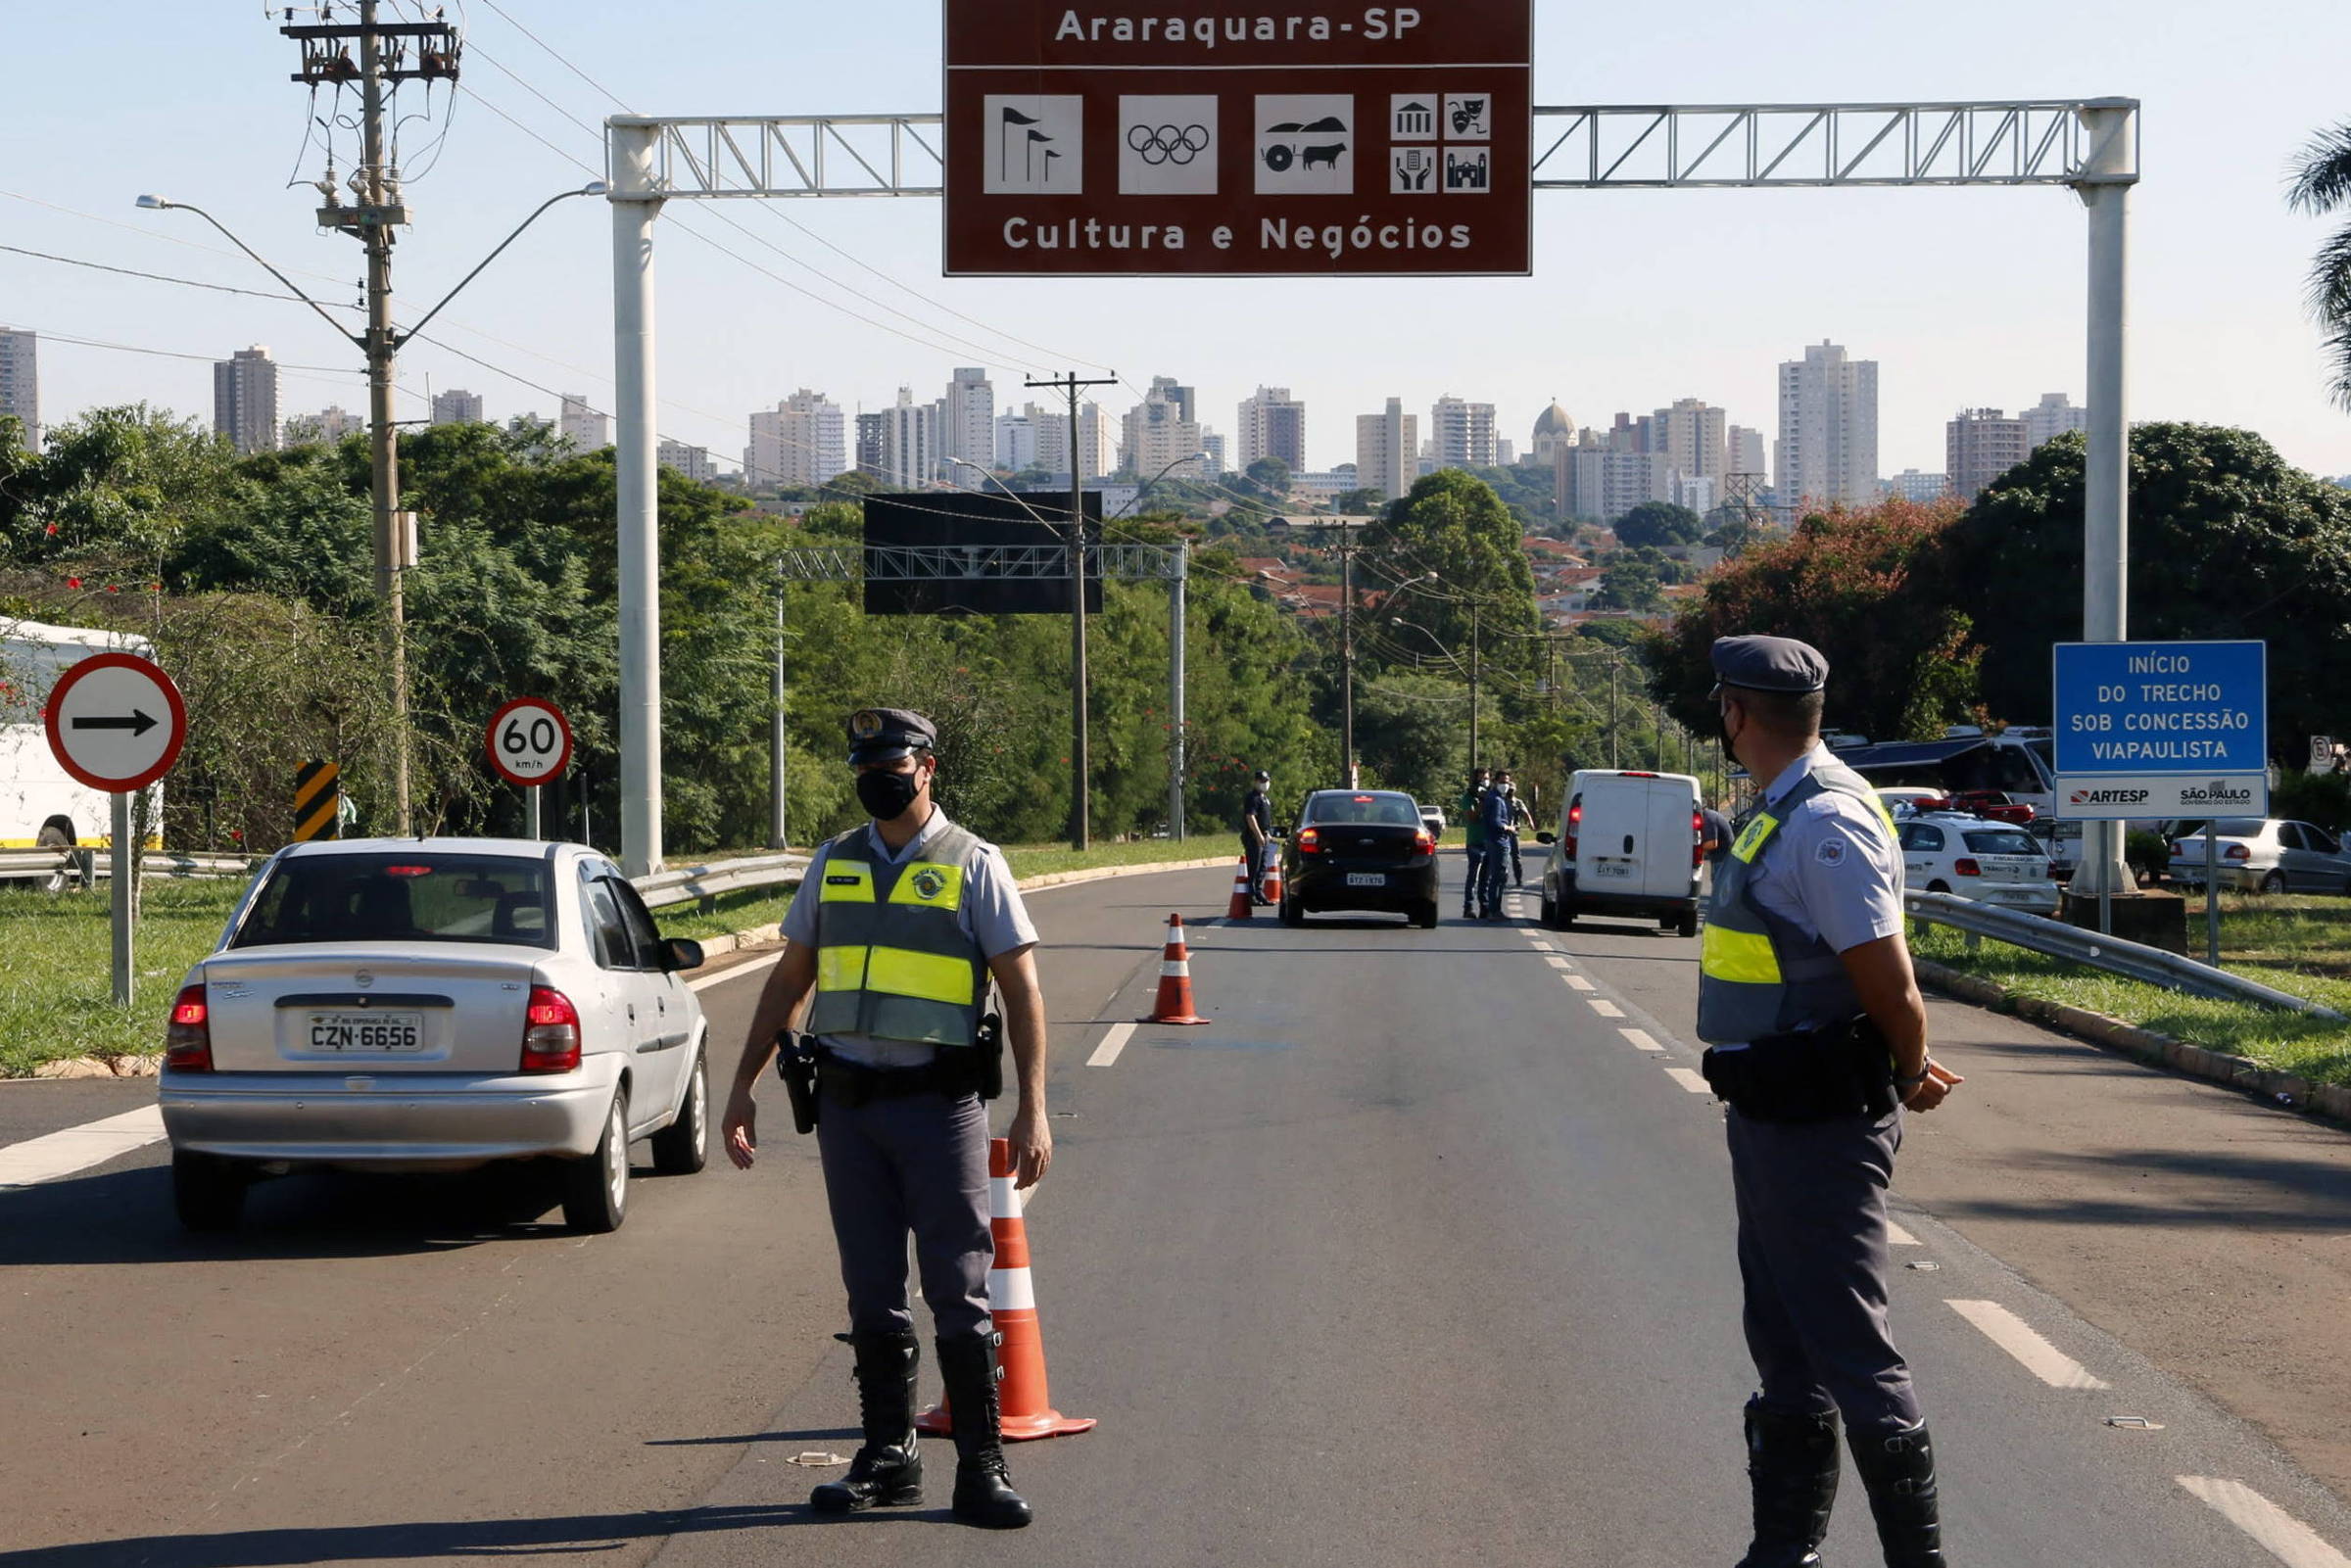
x,y
1168,144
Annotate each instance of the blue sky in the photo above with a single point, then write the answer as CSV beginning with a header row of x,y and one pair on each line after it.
x,y
1966,298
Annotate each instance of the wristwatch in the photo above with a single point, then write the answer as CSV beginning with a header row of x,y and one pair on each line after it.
x,y
1909,1084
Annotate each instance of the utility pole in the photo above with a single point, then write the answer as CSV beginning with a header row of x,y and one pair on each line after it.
x,y
1615,668
384,62
1473,670
1080,808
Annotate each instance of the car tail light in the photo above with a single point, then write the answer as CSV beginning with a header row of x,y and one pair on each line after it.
x,y
551,1033
1575,824
188,1039
1966,867
1309,840
1424,844
1697,839
2236,852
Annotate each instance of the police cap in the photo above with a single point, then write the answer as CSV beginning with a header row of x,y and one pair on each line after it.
x,y
1769,664
884,734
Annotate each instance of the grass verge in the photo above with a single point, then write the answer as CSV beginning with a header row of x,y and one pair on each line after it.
x,y
2316,1049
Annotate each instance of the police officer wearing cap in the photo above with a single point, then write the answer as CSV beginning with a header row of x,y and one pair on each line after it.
x,y
1818,1040
901,924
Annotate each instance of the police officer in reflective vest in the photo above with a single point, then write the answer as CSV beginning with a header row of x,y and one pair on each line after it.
x,y
1818,1039
900,926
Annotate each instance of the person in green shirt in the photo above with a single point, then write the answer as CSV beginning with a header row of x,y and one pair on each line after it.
x,y
1468,808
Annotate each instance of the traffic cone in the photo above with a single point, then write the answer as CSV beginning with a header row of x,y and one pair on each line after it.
x,y
1239,909
1175,1001
1273,879
1028,1407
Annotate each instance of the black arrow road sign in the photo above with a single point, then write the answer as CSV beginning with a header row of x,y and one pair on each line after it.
x,y
139,723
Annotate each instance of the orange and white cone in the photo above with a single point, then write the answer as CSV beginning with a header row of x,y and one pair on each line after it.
x,y
1239,909
1273,878
1026,1404
1174,1004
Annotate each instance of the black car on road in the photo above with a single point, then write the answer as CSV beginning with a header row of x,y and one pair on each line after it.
x,y
1359,849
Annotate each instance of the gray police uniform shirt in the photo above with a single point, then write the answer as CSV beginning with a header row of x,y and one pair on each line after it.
x,y
1832,870
991,915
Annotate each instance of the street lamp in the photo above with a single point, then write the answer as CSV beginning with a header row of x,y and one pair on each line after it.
x,y
381,342
1455,660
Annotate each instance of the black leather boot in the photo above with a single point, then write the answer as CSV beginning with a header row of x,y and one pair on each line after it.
x,y
983,1495
1899,1469
888,1471
1791,1467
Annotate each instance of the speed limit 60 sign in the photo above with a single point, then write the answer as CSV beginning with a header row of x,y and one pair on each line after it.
x,y
529,741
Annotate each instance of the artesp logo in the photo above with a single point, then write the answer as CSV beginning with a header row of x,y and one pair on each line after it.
x,y
2108,797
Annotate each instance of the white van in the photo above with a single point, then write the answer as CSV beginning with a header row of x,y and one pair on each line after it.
x,y
1628,845
41,805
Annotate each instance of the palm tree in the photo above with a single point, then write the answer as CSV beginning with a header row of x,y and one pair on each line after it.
x,y
2323,184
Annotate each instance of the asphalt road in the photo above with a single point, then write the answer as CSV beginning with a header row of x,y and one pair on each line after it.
x,y
1415,1254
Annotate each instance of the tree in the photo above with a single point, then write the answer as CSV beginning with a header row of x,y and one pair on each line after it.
x,y
1452,525
1411,732
1659,523
2226,541
1359,503
1271,475
1854,584
2322,185
1629,582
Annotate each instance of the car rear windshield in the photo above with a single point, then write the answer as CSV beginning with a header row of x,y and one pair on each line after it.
x,y
1396,811
2001,842
417,898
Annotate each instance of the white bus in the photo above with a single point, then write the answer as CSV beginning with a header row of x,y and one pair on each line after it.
x,y
41,805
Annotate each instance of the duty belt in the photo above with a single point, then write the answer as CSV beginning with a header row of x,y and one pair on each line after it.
x,y
851,1085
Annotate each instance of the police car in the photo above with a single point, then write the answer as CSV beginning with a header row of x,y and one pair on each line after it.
x,y
1990,862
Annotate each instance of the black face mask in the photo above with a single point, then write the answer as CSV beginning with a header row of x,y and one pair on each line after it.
x,y
886,795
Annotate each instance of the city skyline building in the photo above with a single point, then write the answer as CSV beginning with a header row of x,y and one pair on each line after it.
x,y
909,458
695,462
1979,445
1828,442
1461,433
2052,417
1694,437
869,442
244,400
967,425
1744,451
1157,432
586,429
1911,484
457,406
20,383
1271,424
1387,449
799,444
1555,427
325,428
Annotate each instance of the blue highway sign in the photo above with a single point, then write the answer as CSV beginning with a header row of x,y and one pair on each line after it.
x,y
2161,728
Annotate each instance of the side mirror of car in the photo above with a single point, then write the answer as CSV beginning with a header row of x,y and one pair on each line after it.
x,y
681,953
1547,838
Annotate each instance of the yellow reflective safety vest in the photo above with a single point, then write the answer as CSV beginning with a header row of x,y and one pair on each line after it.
x,y
1758,974
891,958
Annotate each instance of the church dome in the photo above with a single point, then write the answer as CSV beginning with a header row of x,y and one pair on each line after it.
x,y
1554,422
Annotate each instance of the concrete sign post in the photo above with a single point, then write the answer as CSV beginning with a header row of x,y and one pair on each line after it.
x,y
1379,140
529,741
116,723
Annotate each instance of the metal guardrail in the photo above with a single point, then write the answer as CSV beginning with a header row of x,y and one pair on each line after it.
x,y
2133,960
155,863
690,883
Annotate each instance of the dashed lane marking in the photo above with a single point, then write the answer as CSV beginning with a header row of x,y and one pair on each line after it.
x,y
1689,1079
93,1143
1579,982
1897,1236
1642,1039
2021,1340
1559,963
1112,1043
1603,1007
2280,1534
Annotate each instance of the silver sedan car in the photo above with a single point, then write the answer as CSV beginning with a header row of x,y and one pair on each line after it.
x,y
435,1004
2267,855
